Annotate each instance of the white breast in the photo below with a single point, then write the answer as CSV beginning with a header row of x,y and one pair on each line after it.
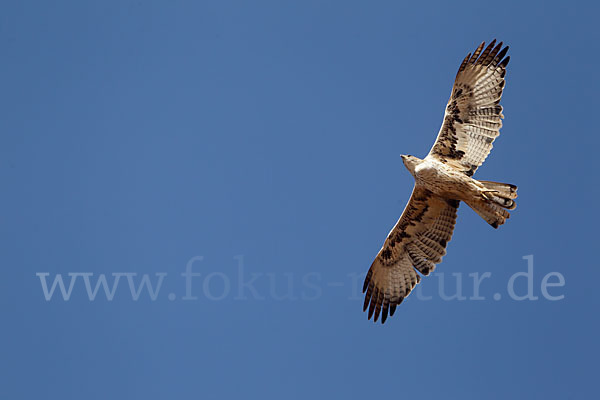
x,y
428,168
432,175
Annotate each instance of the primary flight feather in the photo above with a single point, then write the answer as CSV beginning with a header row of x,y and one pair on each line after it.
x,y
443,179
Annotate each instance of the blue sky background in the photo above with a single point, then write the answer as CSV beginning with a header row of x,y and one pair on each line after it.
x,y
136,135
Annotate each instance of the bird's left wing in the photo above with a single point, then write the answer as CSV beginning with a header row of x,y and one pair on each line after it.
x,y
418,240
473,116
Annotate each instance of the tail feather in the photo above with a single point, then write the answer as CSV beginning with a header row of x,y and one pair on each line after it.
x,y
492,213
496,198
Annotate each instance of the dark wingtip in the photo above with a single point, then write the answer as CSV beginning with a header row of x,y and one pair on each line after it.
x,y
384,312
371,309
502,53
367,280
367,300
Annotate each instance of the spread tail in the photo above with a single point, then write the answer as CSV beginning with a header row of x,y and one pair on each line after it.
x,y
495,198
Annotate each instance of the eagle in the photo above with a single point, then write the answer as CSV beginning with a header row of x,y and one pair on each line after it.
x,y
443,179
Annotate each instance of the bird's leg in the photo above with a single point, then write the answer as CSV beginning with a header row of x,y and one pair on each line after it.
x,y
483,193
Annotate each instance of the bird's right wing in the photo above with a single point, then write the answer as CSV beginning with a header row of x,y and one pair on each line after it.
x,y
418,240
473,116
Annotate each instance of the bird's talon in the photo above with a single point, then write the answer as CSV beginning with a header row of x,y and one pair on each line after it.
x,y
483,193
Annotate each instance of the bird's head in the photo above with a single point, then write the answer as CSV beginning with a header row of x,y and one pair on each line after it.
x,y
410,162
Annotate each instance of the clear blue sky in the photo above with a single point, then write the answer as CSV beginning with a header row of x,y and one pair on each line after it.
x,y
136,135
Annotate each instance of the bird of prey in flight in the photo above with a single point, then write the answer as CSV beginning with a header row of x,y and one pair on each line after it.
x,y
443,179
